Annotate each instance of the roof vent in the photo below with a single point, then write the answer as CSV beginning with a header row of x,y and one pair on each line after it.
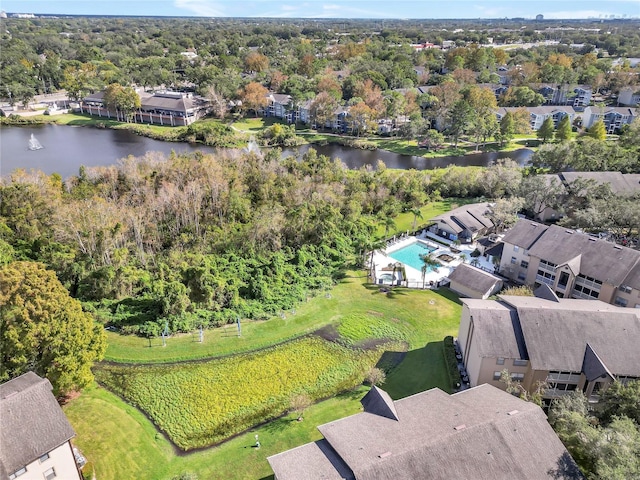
x,y
384,455
534,224
569,232
512,412
460,427
617,247
591,239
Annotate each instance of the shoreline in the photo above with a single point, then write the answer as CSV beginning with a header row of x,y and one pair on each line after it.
x,y
174,134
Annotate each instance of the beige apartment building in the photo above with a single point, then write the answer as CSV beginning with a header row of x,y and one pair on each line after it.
x,y
571,344
571,263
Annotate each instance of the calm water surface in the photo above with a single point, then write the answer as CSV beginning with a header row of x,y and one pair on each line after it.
x,y
67,148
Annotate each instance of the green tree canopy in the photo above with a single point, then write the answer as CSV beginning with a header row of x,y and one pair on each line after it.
x,y
597,131
545,132
564,129
45,330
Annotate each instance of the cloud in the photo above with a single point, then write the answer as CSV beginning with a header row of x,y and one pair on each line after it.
x,y
201,8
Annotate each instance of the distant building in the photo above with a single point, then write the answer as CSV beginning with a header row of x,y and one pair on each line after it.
x,y
539,17
35,439
481,433
464,223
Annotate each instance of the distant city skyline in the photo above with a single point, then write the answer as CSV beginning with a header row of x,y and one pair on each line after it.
x,y
399,9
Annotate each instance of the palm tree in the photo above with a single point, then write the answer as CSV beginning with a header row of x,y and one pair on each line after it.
x,y
428,261
416,214
388,223
370,245
463,257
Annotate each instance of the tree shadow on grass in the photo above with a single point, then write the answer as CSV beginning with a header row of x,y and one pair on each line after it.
x,y
278,425
448,294
418,370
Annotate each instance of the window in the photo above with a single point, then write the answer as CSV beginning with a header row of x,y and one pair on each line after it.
x,y
49,474
521,276
564,279
17,473
621,301
516,248
520,363
44,458
517,377
497,375
513,259
500,361
524,264
625,288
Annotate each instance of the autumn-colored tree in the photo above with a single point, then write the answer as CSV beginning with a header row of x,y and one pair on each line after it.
x,y
323,109
464,76
254,97
371,95
45,330
362,118
277,80
329,83
256,62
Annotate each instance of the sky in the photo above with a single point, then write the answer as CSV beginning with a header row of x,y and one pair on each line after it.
x,y
333,8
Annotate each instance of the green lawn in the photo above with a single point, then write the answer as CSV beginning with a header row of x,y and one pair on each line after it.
x,y
347,298
122,443
404,221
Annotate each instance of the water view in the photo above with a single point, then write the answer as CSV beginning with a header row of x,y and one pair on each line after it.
x,y
65,149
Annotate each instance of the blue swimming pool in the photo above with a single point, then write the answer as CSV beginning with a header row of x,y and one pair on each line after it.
x,y
410,255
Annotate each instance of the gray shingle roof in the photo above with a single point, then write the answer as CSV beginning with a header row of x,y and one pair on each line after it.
x,y
32,421
620,183
524,233
477,433
495,329
473,278
472,217
312,461
600,259
556,334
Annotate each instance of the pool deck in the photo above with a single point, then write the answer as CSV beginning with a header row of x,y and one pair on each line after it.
x,y
381,259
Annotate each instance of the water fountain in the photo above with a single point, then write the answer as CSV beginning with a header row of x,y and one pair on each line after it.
x,y
252,147
34,144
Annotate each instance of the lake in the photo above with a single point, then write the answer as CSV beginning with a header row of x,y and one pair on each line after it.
x,y
67,148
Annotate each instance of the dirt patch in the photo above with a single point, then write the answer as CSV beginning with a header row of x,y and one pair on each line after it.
x,y
329,333
375,314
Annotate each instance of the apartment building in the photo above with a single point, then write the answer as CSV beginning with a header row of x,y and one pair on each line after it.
x,y
569,344
571,263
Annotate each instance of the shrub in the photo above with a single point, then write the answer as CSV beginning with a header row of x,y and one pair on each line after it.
x,y
451,361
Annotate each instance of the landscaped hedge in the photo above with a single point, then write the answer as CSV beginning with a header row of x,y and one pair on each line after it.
x,y
200,404
451,362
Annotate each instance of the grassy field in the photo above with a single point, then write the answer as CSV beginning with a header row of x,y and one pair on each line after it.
x,y
200,404
136,450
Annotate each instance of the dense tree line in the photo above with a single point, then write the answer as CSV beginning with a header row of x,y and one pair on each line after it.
x,y
604,439
304,58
